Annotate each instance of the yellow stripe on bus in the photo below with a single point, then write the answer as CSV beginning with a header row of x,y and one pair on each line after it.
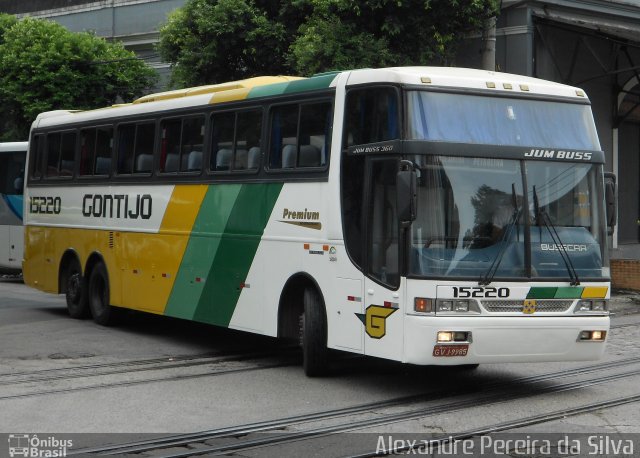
x,y
154,280
230,96
594,292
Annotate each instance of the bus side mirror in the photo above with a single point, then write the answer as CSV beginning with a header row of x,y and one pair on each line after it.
x,y
611,210
406,196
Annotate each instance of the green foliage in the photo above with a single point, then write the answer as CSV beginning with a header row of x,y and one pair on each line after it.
x,y
46,67
213,41
209,41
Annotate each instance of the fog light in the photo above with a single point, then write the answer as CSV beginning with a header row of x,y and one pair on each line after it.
x,y
445,336
460,336
593,336
445,306
423,305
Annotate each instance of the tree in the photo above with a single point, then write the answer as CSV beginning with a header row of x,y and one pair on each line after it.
x,y
46,67
211,41
374,33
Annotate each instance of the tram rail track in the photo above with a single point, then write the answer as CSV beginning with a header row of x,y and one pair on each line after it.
x,y
99,369
284,360
491,393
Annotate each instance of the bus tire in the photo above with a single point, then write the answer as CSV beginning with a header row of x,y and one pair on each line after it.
x,y
101,310
76,291
314,335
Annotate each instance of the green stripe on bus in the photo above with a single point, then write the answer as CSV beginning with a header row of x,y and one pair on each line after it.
x,y
291,87
553,292
202,247
310,84
236,251
568,292
542,292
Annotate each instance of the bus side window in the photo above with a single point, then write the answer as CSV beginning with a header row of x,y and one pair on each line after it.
x,y
36,155
191,145
54,141
315,134
371,116
145,137
126,137
104,146
11,173
222,137
67,154
247,144
170,130
283,147
300,135
87,151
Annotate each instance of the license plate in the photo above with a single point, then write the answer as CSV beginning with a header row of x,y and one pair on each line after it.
x,y
451,350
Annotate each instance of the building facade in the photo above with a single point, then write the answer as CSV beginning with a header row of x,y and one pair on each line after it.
x,y
136,23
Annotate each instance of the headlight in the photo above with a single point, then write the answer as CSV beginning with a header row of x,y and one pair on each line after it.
x,y
592,306
461,306
444,305
592,336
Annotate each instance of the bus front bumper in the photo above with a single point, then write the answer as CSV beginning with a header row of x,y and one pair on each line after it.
x,y
503,339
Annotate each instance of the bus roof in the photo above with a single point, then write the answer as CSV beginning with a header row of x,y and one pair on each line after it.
x,y
12,147
465,78
461,78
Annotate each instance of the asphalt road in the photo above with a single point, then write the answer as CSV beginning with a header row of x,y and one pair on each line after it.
x,y
164,376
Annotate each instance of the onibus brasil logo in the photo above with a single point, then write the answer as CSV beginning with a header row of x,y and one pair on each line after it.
x,y
30,445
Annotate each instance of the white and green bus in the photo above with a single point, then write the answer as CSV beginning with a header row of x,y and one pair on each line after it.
x,y
425,215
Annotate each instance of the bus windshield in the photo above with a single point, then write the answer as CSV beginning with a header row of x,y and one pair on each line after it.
x,y
472,214
464,118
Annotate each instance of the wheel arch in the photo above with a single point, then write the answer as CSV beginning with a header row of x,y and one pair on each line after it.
x,y
291,303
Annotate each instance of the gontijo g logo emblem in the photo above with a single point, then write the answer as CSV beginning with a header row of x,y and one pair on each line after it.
x,y
375,319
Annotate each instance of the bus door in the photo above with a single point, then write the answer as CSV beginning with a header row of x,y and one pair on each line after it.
x,y
384,291
11,187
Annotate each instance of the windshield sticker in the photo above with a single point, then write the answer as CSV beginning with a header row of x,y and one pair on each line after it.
x,y
559,154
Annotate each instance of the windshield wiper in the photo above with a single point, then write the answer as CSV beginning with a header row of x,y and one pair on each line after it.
x,y
564,254
487,278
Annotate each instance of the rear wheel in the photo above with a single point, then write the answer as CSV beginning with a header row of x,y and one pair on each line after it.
x,y
76,291
314,335
103,313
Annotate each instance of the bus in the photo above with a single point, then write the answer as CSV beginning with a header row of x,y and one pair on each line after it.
x,y
12,166
433,216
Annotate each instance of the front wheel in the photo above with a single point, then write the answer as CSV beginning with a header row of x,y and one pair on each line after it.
x,y
314,335
103,313
76,292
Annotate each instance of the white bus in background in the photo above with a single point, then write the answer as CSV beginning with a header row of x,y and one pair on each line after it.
x,y
12,159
